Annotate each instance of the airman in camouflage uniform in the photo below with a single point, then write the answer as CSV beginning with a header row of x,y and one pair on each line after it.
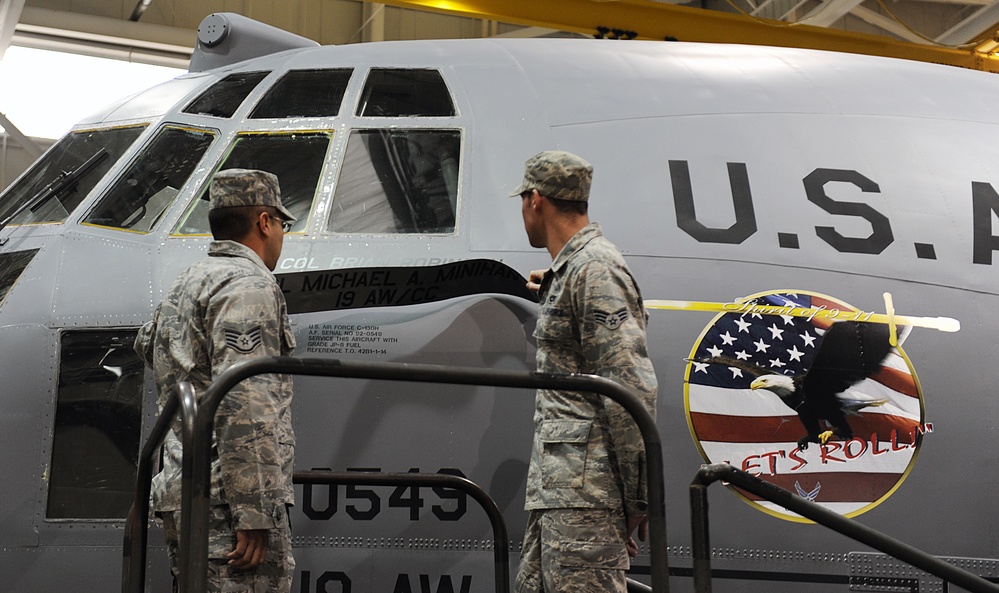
x,y
586,485
224,309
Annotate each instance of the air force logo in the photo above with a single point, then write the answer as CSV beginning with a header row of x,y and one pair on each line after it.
x,y
611,320
810,496
243,342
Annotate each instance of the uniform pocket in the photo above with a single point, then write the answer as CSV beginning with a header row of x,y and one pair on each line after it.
x,y
563,457
595,555
287,340
221,537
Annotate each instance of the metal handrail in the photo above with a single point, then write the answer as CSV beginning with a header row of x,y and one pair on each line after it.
x,y
196,493
722,471
133,570
501,540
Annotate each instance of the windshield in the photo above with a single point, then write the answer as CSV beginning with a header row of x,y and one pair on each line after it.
x,y
296,158
398,181
148,187
57,183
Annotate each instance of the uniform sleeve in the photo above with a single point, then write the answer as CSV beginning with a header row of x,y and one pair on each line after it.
x,y
246,322
612,333
144,340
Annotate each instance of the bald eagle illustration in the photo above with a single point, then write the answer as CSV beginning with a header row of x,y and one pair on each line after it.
x,y
850,352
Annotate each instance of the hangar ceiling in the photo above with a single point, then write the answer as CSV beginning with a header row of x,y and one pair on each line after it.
x,y
163,31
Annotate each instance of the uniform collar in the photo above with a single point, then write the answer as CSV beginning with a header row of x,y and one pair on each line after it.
x,y
577,242
235,249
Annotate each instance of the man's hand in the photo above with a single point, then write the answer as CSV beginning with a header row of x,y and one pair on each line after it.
x,y
534,280
251,549
642,523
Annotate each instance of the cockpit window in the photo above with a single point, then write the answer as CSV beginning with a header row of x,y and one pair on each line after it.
x,y
58,182
405,93
98,421
143,193
397,181
11,266
304,93
297,160
223,98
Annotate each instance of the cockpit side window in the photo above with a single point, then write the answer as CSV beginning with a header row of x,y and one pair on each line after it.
x,y
393,92
98,421
12,264
397,181
142,194
60,180
223,98
296,158
304,93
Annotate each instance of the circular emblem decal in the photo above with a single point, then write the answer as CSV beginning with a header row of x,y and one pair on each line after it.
x,y
806,392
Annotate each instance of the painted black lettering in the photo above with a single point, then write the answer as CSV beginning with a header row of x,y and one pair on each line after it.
x,y
374,503
383,296
325,579
881,234
925,251
402,584
444,585
332,577
742,202
985,206
310,283
459,497
309,508
413,501
788,240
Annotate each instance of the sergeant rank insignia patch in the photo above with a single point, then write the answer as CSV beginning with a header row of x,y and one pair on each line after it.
x,y
243,342
611,320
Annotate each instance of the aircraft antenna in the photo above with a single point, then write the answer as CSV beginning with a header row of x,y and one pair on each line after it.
x,y
226,38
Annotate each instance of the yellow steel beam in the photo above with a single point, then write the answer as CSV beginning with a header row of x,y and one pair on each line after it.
x,y
655,20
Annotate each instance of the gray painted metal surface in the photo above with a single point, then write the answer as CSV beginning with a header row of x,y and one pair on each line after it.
x,y
720,171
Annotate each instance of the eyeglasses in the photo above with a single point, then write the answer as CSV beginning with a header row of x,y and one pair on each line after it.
x,y
526,194
285,224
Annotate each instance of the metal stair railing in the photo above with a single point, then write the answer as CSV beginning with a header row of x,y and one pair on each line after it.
x,y
198,497
501,540
701,545
135,552
196,478
133,569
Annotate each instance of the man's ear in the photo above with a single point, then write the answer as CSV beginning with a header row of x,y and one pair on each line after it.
x,y
264,223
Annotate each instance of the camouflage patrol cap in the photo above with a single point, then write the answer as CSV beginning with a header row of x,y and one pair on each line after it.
x,y
246,187
557,174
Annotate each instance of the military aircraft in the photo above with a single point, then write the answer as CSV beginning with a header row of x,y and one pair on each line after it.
x,y
760,195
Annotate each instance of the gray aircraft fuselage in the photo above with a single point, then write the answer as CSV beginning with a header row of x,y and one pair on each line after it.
x,y
721,172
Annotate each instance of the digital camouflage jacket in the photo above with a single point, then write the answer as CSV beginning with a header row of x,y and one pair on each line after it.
x,y
588,452
224,309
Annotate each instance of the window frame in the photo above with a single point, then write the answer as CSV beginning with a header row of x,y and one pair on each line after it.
x,y
137,154
360,102
317,196
112,165
427,125
139,396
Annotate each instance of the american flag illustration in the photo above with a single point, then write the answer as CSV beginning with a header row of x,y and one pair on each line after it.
x,y
756,431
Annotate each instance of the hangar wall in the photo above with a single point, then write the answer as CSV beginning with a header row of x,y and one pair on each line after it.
x,y
15,159
329,22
